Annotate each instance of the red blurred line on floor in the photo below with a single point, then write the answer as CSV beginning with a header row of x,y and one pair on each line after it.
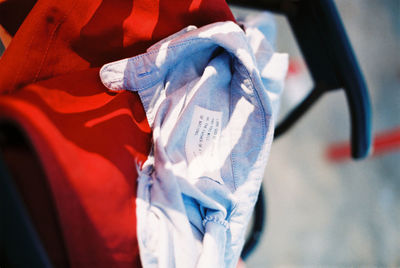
x,y
384,142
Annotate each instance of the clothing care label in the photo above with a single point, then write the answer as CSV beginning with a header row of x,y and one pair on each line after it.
x,y
202,144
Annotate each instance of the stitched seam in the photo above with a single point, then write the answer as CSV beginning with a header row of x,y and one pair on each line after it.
x,y
257,97
231,154
136,58
244,72
22,65
154,82
52,38
214,219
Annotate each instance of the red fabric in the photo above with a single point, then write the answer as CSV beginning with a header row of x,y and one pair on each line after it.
x,y
88,140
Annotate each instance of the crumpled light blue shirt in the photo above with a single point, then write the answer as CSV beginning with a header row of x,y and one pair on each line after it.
x,y
210,94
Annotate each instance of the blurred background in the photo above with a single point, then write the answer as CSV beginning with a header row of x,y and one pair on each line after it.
x,y
331,211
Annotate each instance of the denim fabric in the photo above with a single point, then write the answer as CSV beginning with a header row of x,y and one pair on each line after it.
x,y
212,120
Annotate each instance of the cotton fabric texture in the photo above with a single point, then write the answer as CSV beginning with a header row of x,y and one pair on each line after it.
x,y
84,138
210,96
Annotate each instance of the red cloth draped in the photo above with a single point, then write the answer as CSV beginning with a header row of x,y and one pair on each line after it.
x,y
88,139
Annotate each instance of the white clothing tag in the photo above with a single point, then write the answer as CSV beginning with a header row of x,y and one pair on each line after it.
x,y
202,144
